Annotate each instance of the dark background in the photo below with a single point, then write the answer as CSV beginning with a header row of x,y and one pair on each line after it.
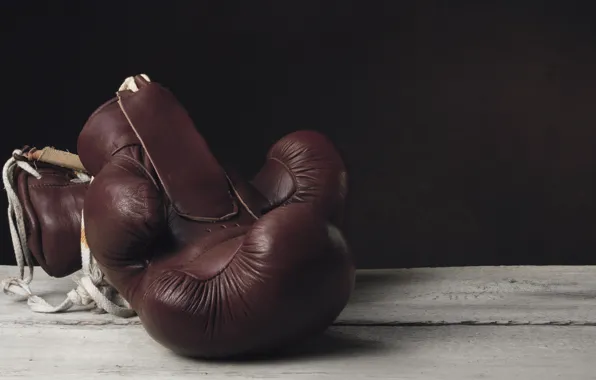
x,y
468,127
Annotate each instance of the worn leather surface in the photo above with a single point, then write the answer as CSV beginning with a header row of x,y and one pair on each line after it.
x,y
52,211
214,265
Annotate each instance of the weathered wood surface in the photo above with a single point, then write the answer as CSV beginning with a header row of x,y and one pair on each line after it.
x,y
472,295
446,323
350,353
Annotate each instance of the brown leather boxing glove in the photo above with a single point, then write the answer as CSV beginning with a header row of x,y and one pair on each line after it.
x,y
214,265
45,190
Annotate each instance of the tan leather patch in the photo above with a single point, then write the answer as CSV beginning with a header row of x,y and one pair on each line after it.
x,y
57,157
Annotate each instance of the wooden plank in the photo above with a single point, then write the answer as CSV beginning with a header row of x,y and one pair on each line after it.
x,y
470,295
475,295
362,352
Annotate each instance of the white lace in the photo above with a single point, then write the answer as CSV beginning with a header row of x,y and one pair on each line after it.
x,y
17,223
92,291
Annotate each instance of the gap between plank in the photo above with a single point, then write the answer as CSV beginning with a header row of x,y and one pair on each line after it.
x,y
124,323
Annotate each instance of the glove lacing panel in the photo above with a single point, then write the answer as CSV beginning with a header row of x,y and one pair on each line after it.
x,y
16,224
92,292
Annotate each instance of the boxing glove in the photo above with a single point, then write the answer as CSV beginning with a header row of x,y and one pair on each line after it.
x,y
215,266
305,167
45,190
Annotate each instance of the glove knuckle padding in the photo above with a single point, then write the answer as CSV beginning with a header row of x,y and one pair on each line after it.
x,y
209,272
305,167
265,290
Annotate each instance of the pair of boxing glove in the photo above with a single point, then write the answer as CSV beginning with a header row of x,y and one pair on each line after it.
x,y
214,265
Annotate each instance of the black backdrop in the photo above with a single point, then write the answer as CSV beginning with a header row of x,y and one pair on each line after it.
x,y
468,127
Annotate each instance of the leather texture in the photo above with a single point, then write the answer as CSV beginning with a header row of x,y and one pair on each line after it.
x,y
215,266
52,208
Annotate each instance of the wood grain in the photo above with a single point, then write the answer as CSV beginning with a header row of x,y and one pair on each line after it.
x,y
475,295
432,352
470,295
401,324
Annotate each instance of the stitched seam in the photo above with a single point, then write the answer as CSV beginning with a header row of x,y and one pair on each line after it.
x,y
118,149
294,178
184,273
47,185
213,246
242,200
142,170
34,224
44,175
